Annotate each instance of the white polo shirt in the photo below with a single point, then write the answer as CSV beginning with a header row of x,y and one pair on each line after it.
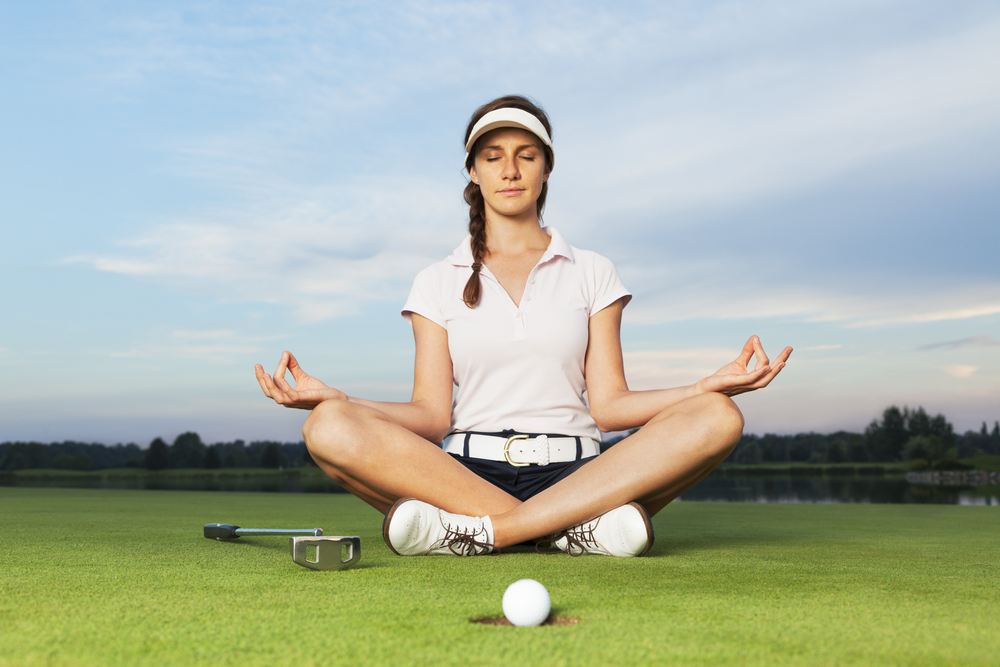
x,y
520,367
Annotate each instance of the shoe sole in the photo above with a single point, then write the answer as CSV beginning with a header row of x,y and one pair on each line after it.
x,y
388,518
649,527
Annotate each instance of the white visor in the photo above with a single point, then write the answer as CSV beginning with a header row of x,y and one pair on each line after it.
x,y
508,117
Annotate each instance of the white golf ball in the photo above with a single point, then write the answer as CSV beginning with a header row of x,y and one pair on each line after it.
x,y
526,602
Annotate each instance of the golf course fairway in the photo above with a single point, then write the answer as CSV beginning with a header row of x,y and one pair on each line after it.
x,y
109,577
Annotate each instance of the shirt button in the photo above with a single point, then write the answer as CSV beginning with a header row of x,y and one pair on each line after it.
x,y
527,297
517,314
531,280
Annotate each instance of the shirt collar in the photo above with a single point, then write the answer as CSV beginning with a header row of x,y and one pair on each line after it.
x,y
462,256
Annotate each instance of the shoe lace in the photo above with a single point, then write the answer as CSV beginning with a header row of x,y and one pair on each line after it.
x,y
462,540
581,537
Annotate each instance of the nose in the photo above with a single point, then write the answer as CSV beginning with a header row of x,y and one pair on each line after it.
x,y
510,170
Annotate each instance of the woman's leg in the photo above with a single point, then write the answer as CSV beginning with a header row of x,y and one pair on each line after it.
x,y
669,455
381,462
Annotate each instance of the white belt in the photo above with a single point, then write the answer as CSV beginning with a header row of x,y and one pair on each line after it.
x,y
521,449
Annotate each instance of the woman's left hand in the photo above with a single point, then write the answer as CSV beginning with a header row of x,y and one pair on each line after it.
x,y
733,379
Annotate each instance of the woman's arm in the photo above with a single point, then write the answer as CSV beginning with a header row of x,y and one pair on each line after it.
x,y
428,413
615,408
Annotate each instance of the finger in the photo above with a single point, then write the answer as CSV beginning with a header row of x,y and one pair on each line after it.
x,y
259,373
783,357
755,375
279,372
276,392
744,358
766,380
293,366
758,350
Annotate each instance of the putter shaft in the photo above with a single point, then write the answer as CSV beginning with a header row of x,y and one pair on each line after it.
x,y
226,531
316,532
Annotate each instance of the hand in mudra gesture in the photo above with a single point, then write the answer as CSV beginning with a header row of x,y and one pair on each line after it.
x,y
308,391
734,378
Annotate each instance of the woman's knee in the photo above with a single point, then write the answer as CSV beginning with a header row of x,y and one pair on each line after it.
x,y
725,418
332,431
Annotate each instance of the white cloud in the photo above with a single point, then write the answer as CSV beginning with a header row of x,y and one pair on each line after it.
x,y
217,347
324,255
959,371
704,291
970,341
780,123
733,115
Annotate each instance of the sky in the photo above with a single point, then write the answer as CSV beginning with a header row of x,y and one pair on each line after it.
x,y
189,188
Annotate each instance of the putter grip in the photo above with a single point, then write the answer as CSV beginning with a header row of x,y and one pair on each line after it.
x,y
220,531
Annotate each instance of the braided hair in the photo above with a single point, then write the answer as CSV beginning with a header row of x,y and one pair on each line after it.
x,y
473,194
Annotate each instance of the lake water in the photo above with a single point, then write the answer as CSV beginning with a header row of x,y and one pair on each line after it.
x,y
874,489
892,488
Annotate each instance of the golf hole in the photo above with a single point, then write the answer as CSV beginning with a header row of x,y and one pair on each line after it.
x,y
551,620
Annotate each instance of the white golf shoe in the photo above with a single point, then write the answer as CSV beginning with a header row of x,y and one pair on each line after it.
x,y
624,531
414,528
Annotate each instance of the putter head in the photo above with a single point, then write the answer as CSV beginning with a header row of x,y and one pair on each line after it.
x,y
220,531
330,552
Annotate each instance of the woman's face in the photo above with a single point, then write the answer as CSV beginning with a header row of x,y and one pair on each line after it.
x,y
510,169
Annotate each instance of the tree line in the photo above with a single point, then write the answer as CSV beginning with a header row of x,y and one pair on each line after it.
x,y
186,451
900,435
914,436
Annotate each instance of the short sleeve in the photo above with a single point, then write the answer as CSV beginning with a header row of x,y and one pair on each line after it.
x,y
425,298
608,287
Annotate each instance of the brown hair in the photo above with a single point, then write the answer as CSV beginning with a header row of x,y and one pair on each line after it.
x,y
474,195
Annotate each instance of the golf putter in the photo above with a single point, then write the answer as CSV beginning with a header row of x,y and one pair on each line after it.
x,y
225,532
329,552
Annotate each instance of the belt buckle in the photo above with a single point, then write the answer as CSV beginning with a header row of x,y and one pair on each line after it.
x,y
506,450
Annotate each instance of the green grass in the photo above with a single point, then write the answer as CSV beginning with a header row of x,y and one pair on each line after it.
x,y
985,463
103,577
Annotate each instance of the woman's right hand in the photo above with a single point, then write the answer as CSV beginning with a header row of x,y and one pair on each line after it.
x,y
308,391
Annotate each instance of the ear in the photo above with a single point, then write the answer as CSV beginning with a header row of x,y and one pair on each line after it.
x,y
473,175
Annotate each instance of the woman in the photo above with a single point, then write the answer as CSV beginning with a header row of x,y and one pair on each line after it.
x,y
523,324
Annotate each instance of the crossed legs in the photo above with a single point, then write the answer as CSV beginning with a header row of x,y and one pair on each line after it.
x,y
380,462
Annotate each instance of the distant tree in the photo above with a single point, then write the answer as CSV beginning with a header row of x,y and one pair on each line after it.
x,y
64,462
887,438
70,462
307,459
22,455
187,451
857,449
158,455
235,454
271,456
212,459
929,448
836,452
